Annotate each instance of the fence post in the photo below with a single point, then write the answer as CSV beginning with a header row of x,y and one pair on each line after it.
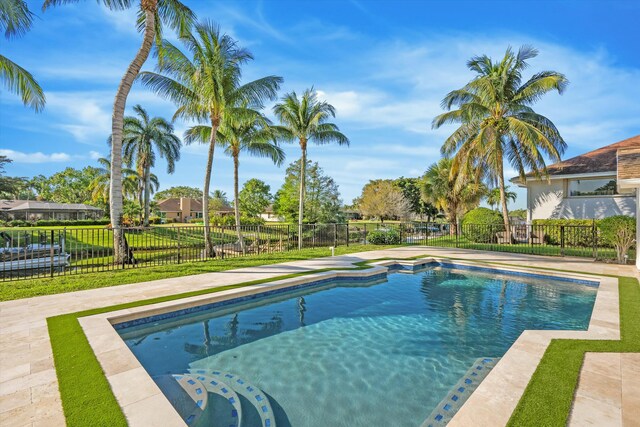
x,y
347,225
335,235
365,234
594,236
224,243
51,253
178,239
258,240
562,240
288,236
457,235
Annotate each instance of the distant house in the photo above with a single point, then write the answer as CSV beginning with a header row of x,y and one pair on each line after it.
x,y
269,215
180,209
588,186
33,210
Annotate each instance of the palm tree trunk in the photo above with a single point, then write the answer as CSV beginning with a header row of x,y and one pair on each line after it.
x,y
503,201
117,123
208,246
303,166
236,205
147,195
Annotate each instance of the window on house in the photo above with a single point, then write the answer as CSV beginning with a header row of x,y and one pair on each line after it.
x,y
593,187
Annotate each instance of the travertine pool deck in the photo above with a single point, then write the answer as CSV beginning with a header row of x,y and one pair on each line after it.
x,y
28,385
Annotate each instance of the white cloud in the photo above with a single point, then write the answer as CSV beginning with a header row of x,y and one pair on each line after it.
x,y
85,115
94,155
38,157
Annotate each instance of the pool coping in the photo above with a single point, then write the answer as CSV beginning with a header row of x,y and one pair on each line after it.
x,y
143,403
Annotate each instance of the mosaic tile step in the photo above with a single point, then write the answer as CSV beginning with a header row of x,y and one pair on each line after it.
x,y
231,414
187,395
447,408
253,394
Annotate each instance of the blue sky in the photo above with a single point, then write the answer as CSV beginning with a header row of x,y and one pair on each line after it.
x,y
384,65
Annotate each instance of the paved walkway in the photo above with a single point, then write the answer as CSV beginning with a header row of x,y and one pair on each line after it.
x,y
28,386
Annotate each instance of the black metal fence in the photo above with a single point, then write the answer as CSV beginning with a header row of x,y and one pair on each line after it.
x,y
28,253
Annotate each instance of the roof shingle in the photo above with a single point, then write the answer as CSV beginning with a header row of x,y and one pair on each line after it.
x,y
601,160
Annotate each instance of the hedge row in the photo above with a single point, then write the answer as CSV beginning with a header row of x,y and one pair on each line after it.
x,y
54,222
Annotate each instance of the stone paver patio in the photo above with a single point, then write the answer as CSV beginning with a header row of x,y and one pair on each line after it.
x,y
28,386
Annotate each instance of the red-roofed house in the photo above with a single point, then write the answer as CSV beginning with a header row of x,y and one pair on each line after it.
x,y
583,187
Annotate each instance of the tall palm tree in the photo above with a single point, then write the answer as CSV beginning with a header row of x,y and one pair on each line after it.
x,y
207,87
305,119
143,137
454,196
16,20
493,196
152,15
497,122
250,132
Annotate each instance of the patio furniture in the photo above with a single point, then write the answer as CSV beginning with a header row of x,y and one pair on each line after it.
x,y
504,237
537,238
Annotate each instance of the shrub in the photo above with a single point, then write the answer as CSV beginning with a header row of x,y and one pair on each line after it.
x,y
577,232
251,220
620,232
58,222
480,225
384,237
156,220
19,223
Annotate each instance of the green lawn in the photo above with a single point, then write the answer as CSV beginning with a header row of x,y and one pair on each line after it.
x,y
548,397
59,284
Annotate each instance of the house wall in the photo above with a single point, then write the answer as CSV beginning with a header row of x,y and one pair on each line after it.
x,y
270,217
549,201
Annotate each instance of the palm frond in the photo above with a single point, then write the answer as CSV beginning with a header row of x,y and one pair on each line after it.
x,y
20,82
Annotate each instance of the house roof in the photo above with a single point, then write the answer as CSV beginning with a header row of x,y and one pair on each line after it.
x,y
173,205
34,205
601,160
8,204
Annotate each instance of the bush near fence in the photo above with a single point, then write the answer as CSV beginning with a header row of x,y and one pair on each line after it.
x,y
481,225
577,231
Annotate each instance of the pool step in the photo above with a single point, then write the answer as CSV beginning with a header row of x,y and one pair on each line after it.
x,y
187,395
447,408
231,417
256,397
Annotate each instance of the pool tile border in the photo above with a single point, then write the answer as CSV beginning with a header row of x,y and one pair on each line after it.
x,y
494,400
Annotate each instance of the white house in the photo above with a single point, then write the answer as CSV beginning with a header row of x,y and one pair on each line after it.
x,y
583,187
594,185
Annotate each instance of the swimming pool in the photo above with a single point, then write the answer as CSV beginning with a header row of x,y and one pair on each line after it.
x,y
347,353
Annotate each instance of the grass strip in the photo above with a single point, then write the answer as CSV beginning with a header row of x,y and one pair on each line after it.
x,y
47,286
87,399
548,397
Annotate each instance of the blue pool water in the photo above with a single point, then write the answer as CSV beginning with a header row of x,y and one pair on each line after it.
x,y
379,353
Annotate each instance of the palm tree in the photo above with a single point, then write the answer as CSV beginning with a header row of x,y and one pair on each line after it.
x,y
250,132
16,20
497,122
493,196
207,87
454,196
151,17
143,137
305,119
130,183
